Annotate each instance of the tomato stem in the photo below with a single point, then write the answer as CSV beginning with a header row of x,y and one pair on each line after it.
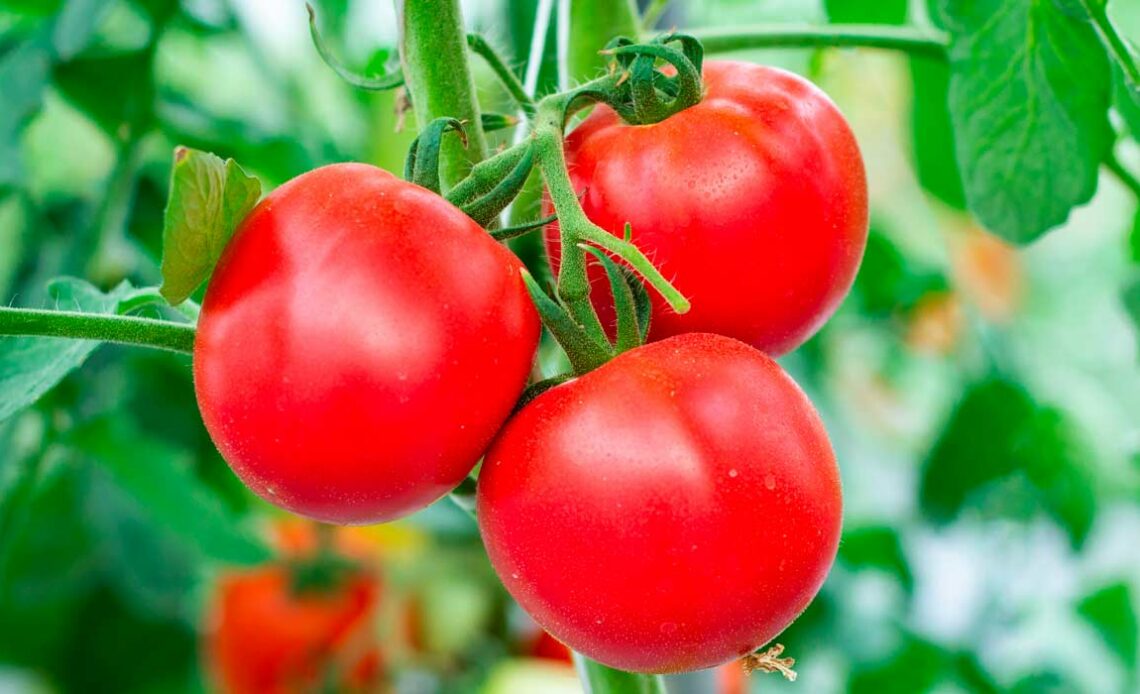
x,y
1126,177
127,330
510,80
437,73
925,42
1121,52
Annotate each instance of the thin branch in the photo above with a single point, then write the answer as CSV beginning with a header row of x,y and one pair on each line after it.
x,y
925,42
514,86
1122,174
1114,42
127,330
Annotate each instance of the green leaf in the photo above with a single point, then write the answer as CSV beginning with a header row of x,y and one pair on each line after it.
x,y
160,478
997,432
155,571
209,197
1134,239
31,366
932,133
116,91
863,12
888,282
877,547
1029,96
1131,299
1111,611
917,666
24,73
75,25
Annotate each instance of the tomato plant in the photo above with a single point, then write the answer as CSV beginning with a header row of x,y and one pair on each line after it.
x,y
655,490
687,487
435,337
753,201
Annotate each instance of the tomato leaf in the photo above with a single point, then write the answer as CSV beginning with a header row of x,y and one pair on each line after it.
x,y
209,197
1111,612
999,440
31,366
75,25
116,90
863,12
160,478
932,134
877,547
24,73
1132,303
1029,96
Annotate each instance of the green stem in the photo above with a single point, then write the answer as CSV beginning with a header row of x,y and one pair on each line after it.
x,y
592,24
112,256
510,80
127,330
652,13
1122,174
601,679
433,54
1114,42
924,42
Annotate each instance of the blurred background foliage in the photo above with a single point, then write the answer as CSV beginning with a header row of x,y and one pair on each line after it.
x,y
984,401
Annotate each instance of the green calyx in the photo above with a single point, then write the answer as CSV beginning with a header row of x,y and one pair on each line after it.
x,y
643,94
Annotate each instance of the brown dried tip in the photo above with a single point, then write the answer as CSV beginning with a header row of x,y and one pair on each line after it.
x,y
770,661
403,106
622,79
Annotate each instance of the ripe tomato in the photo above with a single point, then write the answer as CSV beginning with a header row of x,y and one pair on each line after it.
x,y
265,637
672,510
753,202
360,343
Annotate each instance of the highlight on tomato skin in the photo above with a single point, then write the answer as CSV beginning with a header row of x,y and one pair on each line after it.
x,y
672,510
360,343
753,202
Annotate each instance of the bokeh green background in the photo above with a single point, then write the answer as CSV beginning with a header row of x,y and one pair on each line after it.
x,y
984,401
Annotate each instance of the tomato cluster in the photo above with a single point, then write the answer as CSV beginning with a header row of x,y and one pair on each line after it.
x,y
363,342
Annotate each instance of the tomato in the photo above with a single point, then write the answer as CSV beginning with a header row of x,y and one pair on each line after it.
x,y
753,202
265,637
672,510
360,343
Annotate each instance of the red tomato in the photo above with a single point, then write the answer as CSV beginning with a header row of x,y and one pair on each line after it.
x,y
754,202
672,510
265,638
360,343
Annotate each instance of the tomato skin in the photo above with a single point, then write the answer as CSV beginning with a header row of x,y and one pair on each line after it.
x,y
360,343
672,510
265,638
753,202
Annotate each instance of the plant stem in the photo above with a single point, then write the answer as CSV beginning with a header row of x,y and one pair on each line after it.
x,y
1122,174
1114,42
601,679
433,54
592,24
924,42
127,330
510,80
652,13
576,228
